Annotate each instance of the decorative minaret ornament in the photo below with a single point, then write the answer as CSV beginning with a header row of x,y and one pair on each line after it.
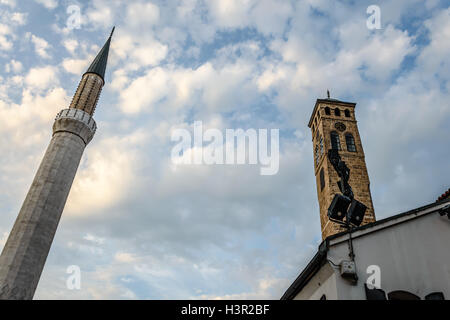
x,y
27,247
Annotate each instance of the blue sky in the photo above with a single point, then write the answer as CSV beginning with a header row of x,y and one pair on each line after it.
x,y
140,227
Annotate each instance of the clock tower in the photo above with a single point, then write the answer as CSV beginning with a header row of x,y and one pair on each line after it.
x,y
334,126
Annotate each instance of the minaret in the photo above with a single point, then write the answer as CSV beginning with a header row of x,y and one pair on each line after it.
x,y
333,125
27,247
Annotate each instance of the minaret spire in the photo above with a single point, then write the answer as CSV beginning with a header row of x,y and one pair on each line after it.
x,y
24,254
98,66
90,87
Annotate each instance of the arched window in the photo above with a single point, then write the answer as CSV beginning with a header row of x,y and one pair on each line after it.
x,y
327,111
402,295
347,113
337,112
435,296
321,147
316,153
322,180
374,293
350,141
335,142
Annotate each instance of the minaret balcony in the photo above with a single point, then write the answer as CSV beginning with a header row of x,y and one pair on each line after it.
x,y
77,122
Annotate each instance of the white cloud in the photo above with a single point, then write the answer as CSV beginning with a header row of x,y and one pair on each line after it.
x,y
11,3
100,13
434,57
380,54
41,46
14,66
71,45
267,16
40,108
94,239
18,18
142,14
5,41
230,14
139,52
222,88
145,91
49,4
42,78
263,290
124,257
76,66
106,173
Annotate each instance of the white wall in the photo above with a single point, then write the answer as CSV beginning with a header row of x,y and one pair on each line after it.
x,y
323,283
413,256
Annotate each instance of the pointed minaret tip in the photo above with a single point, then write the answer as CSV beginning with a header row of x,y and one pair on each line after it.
x,y
112,32
98,66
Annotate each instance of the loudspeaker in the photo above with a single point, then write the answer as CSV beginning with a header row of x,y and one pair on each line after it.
x,y
338,207
355,214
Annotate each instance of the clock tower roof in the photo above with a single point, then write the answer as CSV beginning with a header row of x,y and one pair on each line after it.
x,y
331,102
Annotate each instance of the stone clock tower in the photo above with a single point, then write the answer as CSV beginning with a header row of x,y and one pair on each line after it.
x,y
333,126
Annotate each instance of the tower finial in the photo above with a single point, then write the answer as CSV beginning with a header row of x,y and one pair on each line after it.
x,y
112,32
328,94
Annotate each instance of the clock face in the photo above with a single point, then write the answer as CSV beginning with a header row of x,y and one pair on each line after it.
x,y
340,126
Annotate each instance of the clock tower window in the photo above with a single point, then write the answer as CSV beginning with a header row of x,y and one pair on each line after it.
x,y
335,141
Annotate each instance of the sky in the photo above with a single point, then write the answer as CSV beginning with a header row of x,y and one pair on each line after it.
x,y
140,227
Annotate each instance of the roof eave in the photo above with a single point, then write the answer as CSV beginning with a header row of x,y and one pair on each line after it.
x,y
311,269
330,101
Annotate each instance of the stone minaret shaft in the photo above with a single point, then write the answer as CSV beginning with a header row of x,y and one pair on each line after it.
x,y
27,247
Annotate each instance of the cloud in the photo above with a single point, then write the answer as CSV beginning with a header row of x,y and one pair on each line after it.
x,y
218,87
49,4
381,55
14,66
76,66
267,16
11,3
434,56
262,291
71,45
140,226
40,45
124,257
142,14
42,78
100,13
94,239
107,172
140,52
5,43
